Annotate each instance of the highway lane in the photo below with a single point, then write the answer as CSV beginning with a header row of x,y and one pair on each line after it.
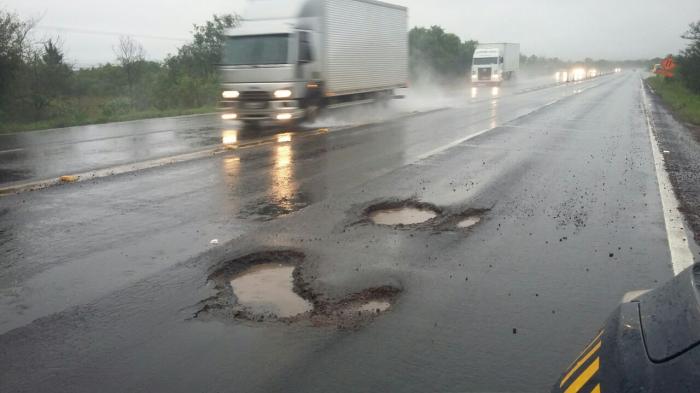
x,y
40,155
102,277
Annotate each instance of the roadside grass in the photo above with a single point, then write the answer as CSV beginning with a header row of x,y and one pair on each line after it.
x,y
682,101
71,121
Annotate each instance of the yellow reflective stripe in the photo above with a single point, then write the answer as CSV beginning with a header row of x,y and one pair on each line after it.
x,y
588,347
581,362
596,389
584,377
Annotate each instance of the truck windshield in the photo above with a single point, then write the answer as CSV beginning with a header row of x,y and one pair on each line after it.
x,y
256,50
485,60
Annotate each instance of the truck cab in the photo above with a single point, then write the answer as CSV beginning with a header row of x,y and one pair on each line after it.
x,y
487,66
495,63
270,68
291,58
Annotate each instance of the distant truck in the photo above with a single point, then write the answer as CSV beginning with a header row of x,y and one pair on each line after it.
x,y
495,63
291,58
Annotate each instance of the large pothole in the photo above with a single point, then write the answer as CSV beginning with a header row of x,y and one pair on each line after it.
x,y
269,287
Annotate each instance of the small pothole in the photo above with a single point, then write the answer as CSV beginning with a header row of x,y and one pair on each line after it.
x,y
412,214
401,213
402,216
468,222
374,306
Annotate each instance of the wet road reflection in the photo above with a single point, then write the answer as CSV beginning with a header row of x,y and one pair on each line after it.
x,y
229,137
53,153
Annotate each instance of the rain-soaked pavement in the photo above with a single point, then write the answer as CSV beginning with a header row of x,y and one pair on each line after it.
x,y
536,228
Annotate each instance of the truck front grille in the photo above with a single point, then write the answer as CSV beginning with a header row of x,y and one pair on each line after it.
x,y
484,74
255,96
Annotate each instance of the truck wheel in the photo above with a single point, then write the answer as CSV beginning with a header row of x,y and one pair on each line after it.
x,y
384,98
311,113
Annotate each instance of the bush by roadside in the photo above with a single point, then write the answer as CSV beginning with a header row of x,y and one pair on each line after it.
x,y
80,119
39,88
681,100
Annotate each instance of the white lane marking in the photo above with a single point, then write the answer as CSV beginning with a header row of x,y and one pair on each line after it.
x,y
10,151
453,144
681,256
478,133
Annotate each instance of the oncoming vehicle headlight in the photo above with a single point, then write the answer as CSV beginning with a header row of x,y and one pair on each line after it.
x,y
283,93
230,94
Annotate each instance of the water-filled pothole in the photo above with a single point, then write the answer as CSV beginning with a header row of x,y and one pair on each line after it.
x,y
401,213
268,289
468,222
402,216
271,287
374,306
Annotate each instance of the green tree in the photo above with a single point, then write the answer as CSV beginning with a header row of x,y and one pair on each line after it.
x,y
43,79
56,73
436,53
190,77
689,60
14,49
131,56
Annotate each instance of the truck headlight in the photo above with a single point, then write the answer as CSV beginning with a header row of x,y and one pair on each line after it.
x,y
230,94
283,93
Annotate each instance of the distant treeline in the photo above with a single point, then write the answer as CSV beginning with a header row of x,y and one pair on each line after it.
x,y
436,55
40,88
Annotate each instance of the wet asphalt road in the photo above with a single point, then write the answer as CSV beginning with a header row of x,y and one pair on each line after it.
x,y
45,154
99,279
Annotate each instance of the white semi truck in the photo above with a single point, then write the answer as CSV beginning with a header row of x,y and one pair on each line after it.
x,y
494,63
291,58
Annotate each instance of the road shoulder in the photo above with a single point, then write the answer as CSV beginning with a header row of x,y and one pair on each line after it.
x,y
680,146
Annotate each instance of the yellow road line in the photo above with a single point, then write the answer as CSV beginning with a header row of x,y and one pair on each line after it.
x,y
596,389
585,350
581,362
584,377
591,344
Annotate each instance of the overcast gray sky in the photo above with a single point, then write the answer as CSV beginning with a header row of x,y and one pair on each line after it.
x,y
569,29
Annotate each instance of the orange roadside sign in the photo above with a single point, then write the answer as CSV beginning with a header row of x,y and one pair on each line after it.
x,y
667,67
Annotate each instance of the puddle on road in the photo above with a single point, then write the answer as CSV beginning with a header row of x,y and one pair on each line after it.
x,y
268,288
468,222
271,286
375,306
402,216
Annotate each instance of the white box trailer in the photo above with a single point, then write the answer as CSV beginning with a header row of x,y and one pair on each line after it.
x,y
290,58
495,62
366,46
